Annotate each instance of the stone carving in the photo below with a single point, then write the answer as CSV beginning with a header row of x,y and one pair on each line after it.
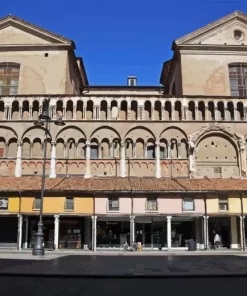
x,y
209,128
242,150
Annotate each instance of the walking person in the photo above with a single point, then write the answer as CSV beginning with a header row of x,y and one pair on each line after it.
x,y
217,240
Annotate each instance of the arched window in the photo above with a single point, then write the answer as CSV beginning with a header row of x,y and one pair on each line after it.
x,y
238,79
9,79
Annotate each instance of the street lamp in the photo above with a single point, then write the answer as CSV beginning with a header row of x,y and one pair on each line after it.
x,y
44,119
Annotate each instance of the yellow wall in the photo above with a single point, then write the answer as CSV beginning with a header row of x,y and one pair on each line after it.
x,y
55,205
245,203
212,205
13,206
234,204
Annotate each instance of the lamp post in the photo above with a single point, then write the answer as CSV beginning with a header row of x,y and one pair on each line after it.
x,y
44,119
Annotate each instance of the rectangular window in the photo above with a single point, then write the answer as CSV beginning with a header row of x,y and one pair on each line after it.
x,y
9,78
188,204
223,204
3,203
217,170
113,204
238,79
37,203
152,204
69,203
94,152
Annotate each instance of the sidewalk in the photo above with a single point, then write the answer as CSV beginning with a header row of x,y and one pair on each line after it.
x,y
117,252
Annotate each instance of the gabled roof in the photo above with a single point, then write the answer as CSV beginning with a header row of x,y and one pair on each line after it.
x,y
210,27
16,21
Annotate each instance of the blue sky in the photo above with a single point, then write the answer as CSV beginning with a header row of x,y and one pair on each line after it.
x,y
118,38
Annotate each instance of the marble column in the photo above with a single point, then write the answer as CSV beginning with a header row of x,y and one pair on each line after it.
x,y
157,160
53,160
88,168
94,233
56,231
19,237
123,160
18,165
132,229
169,232
242,233
205,233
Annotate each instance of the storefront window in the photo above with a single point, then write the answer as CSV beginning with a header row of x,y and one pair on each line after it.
x,y
111,234
181,232
48,230
71,233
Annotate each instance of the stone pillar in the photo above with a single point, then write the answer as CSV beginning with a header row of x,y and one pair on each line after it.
x,y
26,233
234,233
179,148
94,233
88,168
84,114
74,111
205,232
129,112
183,112
53,160
56,231
132,229
206,113
169,232
157,160
87,236
18,165
216,115
19,236
123,160
242,233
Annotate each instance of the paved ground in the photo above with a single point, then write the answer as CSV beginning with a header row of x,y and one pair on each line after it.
x,y
122,265
33,286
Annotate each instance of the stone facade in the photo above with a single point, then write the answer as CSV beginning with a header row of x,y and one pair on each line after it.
x,y
191,127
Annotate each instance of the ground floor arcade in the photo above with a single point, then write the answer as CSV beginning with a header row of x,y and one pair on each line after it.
x,y
104,232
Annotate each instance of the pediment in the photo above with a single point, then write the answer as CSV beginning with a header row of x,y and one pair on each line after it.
x,y
16,31
230,30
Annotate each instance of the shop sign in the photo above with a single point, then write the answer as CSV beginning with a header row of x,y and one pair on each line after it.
x,y
3,203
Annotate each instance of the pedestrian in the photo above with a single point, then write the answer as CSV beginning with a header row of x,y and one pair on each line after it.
x,y
217,240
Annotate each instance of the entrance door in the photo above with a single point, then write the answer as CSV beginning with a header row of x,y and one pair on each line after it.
x,y
143,234
8,231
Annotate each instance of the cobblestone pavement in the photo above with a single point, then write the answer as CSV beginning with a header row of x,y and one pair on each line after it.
x,y
134,265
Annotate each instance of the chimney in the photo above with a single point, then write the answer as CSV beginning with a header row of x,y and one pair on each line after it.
x,y
131,80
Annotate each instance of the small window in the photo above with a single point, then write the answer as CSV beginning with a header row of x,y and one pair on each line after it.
x,y
94,151
9,78
37,203
217,170
223,204
3,203
113,204
69,203
188,204
151,204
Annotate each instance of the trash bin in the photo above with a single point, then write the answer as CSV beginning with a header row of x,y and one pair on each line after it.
x,y
191,245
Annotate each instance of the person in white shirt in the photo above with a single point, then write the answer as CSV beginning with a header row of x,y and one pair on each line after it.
x,y
217,240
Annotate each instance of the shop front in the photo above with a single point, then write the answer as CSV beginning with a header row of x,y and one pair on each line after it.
x,y
71,233
48,230
182,230
8,231
152,231
112,232
221,226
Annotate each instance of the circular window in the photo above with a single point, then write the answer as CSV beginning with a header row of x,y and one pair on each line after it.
x,y
238,35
